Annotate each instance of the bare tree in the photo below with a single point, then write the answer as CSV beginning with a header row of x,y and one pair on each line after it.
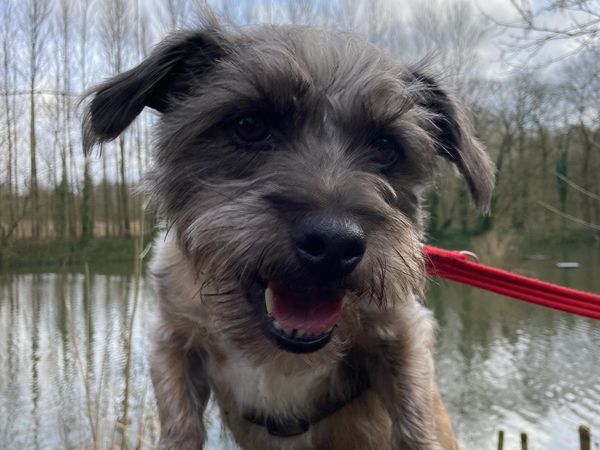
x,y
67,13
537,27
63,211
87,193
36,17
451,32
116,32
581,88
7,57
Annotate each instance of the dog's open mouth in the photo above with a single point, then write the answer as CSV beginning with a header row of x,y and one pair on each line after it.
x,y
300,321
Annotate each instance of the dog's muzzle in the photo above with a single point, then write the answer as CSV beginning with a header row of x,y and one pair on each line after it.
x,y
300,311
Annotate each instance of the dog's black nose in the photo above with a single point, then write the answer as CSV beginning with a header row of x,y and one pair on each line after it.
x,y
330,247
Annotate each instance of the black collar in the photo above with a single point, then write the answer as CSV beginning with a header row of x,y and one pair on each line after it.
x,y
288,426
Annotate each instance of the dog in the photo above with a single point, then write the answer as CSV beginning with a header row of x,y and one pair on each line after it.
x,y
290,165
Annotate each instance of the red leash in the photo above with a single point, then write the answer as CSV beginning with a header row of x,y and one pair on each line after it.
x,y
456,266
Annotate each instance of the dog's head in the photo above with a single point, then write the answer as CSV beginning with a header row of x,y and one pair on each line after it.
x,y
291,163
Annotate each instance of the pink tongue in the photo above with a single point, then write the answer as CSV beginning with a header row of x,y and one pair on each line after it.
x,y
314,314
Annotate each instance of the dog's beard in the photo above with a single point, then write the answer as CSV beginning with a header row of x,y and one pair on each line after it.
x,y
258,295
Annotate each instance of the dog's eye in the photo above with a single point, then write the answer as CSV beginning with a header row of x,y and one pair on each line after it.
x,y
388,151
251,129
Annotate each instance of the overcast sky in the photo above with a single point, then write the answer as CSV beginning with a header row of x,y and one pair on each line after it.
x,y
489,48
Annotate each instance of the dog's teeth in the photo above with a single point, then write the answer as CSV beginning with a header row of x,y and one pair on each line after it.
x,y
301,333
269,300
288,331
277,326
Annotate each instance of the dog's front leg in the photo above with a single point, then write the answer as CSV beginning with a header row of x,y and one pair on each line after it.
x,y
406,389
182,392
403,378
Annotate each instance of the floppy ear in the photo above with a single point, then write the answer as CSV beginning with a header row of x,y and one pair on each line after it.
x,y
455,141
166,75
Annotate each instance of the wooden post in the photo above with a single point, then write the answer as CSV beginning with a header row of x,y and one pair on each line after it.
x,y
500,440
524,441
585,438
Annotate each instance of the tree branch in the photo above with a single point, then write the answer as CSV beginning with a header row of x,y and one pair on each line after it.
x,y
577,220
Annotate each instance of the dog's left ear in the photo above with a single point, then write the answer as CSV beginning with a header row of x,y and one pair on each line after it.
x,y
157,82
455,141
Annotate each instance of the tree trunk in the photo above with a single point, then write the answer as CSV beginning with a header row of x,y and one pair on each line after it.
x,y
107,227
9,136
87,191
124,191
33,181
87,225
585,170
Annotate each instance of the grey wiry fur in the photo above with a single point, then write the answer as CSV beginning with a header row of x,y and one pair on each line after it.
x,y
230,209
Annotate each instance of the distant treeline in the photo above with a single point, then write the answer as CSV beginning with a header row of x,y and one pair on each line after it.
x,y
541,127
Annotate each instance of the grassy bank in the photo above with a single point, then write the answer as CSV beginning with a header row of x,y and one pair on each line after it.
x,y
456,239
120,253
104,253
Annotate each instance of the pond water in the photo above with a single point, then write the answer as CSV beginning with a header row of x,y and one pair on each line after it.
x,y
74,373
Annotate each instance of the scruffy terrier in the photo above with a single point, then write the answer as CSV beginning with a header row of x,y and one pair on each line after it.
x,y
290,164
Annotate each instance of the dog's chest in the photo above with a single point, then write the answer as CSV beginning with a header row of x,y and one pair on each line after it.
x,y
268,388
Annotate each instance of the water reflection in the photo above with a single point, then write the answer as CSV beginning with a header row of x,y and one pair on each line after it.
x,y
74,372
504,364
68,378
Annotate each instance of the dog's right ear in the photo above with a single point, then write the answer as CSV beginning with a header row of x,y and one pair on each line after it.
x,y
166,75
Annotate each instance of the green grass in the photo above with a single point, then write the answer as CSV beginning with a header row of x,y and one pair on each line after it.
x,y
116,255
456,239
105,254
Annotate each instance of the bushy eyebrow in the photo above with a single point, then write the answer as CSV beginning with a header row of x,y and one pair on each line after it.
x,y
371,114
233,87
384,107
